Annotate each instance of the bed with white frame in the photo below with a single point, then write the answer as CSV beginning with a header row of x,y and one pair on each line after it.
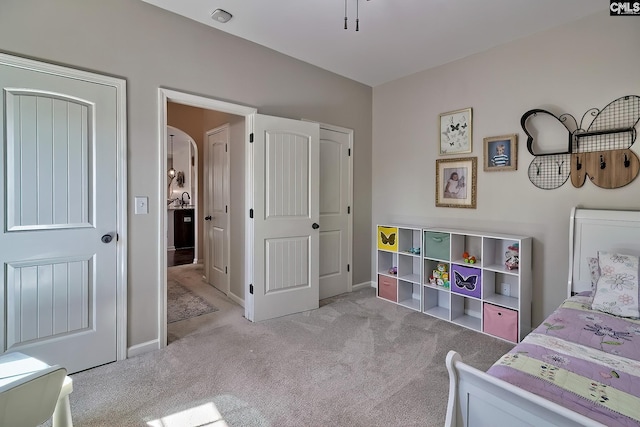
x,y
477,398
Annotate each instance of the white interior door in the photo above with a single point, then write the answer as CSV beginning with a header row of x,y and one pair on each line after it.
x,y
59,210
285,249
217,208
335,224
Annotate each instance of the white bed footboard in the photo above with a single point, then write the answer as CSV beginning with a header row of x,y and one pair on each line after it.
x,y
477,399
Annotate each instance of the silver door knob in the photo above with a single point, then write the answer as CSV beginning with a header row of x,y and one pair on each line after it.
x,y
107,238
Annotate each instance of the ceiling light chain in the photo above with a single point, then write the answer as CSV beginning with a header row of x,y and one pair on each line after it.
x,y
357,15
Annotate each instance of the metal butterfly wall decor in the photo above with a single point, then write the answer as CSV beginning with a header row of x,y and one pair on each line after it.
x,y
601,152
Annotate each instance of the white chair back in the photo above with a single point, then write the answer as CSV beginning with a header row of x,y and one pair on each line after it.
x,y
29,401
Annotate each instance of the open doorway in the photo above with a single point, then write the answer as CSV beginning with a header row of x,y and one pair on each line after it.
x,y
197,116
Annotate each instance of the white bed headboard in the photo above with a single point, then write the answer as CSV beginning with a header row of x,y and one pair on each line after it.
x,y
593,230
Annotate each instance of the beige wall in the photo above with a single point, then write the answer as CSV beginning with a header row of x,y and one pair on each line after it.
x,y
152,48
567,70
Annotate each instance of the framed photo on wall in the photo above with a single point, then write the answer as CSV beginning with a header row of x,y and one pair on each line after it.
x,y
456,182
455,132
501,153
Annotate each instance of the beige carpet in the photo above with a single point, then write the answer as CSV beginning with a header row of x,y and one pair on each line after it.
x,y
355,361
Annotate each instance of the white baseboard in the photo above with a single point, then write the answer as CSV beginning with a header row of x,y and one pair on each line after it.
x,y
171,249
236,299
363,285
142,348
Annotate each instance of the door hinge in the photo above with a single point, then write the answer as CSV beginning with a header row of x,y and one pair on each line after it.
x,y
251,137
348,268
226,270
348,209
349,152
226,208
250,213
251,289
117,237
225,148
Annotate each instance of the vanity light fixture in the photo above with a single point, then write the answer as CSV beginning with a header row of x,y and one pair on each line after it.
x,y
172,171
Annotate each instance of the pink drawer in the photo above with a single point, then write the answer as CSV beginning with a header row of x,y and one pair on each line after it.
x,y
501,322
388,288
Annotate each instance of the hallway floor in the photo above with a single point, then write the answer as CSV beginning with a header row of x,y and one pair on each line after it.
x,y
192,277
180,257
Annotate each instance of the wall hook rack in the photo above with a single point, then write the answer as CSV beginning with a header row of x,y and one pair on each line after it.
x,y
610,134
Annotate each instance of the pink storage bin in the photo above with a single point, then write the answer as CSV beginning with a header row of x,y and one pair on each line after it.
x,y
388,288
500,322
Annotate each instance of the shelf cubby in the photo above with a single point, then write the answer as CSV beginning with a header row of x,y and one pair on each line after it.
x,y
466,311
409,238
386,261
409,294
409,268
436,303
461,243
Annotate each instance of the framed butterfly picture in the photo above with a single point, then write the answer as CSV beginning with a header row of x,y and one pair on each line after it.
x,y
455,132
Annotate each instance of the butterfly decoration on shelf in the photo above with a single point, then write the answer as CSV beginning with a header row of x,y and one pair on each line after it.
x,y
601,152
465,282
388,240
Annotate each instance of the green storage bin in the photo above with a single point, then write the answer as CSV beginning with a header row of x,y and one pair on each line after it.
x,y
436,245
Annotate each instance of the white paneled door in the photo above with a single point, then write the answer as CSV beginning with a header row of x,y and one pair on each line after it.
x,y
216,224
285,200
58,215
335,185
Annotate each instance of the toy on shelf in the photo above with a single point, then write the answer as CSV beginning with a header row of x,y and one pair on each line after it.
x,y
512,256
440,276
468,258
393,270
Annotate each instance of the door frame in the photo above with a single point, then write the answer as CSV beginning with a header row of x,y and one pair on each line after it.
x,y
227,200
120,85
164,96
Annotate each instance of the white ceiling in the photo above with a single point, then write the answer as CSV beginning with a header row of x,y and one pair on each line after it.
x,y
396,38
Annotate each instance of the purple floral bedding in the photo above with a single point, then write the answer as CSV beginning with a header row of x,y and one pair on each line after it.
x,y
584,360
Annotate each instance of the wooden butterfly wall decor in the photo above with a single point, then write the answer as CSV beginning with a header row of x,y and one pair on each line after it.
x,y
601,152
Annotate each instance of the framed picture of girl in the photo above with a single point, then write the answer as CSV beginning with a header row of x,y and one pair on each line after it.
x,y
456,182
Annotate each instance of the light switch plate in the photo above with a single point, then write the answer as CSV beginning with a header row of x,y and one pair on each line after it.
x,y
142,205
